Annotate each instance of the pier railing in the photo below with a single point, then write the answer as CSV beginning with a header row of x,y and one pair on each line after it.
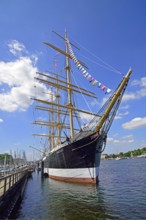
x,y
9,181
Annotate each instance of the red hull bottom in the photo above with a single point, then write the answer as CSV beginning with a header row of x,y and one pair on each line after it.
x,y
75,180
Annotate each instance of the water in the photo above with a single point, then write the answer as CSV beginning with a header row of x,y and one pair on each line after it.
x,y
120,195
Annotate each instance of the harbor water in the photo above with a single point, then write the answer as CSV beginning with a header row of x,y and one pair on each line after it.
x,y
120,195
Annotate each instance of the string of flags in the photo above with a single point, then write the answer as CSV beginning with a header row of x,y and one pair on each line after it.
x,y
88,76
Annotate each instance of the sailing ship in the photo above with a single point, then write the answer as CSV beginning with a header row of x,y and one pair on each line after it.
x,y
74,154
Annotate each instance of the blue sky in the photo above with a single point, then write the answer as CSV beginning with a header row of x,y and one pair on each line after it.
x,y
114,31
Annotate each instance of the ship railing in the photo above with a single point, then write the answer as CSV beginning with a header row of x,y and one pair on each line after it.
x,y
8,181
56,148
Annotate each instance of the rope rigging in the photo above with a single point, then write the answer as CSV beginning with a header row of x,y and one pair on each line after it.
x,y
85,73
107,66
81,92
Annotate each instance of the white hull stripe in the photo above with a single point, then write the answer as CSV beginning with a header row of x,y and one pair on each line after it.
x,y
74,175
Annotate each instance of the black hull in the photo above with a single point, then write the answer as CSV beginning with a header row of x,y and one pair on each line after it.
x,y
78,155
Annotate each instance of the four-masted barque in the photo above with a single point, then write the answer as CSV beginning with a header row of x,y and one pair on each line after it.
x,y
75,155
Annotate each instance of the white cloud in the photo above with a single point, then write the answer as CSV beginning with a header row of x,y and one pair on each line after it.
x,y
17,82
115,141
127,136
125,107
141,93
135,95
141,82
136,82
110,139
124,113
135,123
122,140
117,117
138,94
15,47
129,96
1,120
85,117
120,115
104,100
94,102
115,135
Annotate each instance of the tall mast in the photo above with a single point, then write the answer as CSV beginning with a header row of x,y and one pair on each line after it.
x,y
52,114
69,90
58,112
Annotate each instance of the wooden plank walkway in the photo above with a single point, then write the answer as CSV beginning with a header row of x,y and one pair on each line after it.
x,y
11,179
2,182
11,189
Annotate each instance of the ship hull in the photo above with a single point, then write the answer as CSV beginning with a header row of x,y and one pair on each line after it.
x,y
78,175
77,161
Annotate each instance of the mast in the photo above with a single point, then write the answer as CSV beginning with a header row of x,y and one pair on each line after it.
x,y
58,113
113,100
54,106
57,110
69,90
52,114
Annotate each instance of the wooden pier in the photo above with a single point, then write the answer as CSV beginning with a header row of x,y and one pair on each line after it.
x,y
12,186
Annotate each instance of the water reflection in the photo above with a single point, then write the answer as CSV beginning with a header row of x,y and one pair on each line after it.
x,y
76,201
50,199
115,197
